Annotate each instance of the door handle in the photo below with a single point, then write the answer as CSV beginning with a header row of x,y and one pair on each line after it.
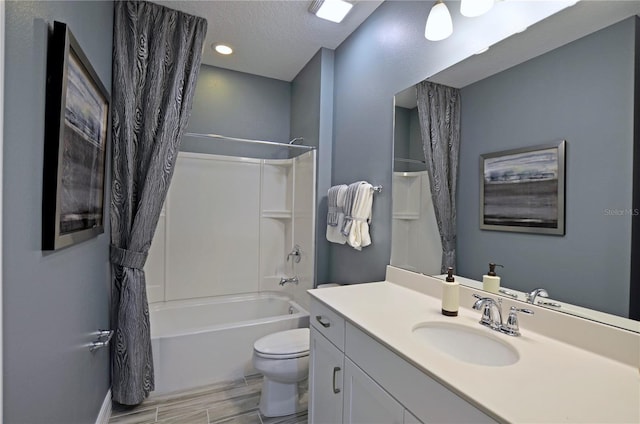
x,y
335,371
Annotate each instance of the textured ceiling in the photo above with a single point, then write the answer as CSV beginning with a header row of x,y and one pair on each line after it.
x,y
273,39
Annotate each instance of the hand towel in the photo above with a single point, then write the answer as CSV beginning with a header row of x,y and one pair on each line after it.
x,y
350,197
332,204
334,234
358,236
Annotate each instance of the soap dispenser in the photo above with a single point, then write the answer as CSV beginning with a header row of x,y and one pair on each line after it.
x,y
450,295
491,281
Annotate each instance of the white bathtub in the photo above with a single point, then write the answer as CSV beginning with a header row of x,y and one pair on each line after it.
x,y
202,341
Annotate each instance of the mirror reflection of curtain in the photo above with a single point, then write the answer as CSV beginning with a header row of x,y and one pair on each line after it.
x,y
439,115
156,60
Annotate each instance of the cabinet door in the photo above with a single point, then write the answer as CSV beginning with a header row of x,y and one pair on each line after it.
x,y
326,370
365,402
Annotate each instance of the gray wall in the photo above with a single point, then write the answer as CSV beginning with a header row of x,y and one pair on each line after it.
x,y
241,105
385,55
581,92
401,138
52,301
407,140
312,118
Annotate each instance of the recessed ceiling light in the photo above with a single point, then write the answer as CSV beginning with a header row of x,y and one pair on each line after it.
x,y
222,49
331,10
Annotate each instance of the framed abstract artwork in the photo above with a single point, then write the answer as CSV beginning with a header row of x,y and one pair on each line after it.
x,y
522,190
76,137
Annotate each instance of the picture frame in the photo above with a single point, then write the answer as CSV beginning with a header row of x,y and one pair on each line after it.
x,y
75,145
523,190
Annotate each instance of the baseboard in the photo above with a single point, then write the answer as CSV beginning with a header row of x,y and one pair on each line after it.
x,y
105,410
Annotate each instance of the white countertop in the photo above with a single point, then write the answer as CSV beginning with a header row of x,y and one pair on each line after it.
x,y
552,382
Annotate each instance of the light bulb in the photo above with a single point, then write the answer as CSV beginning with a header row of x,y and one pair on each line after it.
x,y
473,8
223,49
439,25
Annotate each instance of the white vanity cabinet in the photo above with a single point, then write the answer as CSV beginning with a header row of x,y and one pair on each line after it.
x,y
339,390
326,365
326,369
353,379
365,402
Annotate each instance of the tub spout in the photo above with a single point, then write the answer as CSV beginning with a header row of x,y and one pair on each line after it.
x,y
293,280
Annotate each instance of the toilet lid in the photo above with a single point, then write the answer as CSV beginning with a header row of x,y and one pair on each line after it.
x,y
284,343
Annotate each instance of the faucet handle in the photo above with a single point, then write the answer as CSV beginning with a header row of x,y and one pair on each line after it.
x,y
512,327
295,252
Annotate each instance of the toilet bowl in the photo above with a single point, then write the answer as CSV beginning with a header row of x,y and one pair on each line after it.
x,y
283,360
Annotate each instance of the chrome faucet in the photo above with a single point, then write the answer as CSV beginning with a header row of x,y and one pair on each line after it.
x,y
531,297
293,280
489,310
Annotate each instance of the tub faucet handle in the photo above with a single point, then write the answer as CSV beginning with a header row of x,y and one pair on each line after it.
x,y
295,253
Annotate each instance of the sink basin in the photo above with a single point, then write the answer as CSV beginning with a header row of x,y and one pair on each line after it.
x,y
467,344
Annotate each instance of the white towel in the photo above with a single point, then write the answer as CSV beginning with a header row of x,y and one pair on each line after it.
x,y
332,205
349,199
333,231
361,217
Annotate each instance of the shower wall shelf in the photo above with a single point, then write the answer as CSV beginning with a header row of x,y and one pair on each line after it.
x,y
407,195
407,216
284,214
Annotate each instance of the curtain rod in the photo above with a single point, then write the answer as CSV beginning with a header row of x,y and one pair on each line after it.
x,y
270,143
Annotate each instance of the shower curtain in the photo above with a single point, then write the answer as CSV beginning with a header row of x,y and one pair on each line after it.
x,y
439,116
156,59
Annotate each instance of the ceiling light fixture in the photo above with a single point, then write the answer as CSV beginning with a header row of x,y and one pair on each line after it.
x,y
473,8
331,10
439,25
223,49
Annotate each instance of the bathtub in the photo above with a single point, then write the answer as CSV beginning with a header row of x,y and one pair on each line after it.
x,y
201,341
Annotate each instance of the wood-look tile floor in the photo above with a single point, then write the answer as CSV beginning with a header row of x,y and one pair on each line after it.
x,y
234,402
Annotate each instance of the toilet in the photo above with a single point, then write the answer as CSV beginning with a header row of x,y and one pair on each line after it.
x,y
283,360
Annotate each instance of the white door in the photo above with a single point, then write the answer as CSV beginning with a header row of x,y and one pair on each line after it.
x,y
326,370
365,402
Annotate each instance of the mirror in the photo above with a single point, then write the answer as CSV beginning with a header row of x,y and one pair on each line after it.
x,y
415,241
527,90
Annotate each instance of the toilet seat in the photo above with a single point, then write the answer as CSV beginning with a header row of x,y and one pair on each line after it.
x,y
287,344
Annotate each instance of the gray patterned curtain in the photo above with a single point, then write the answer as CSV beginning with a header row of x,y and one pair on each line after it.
x,y
156,59
439,114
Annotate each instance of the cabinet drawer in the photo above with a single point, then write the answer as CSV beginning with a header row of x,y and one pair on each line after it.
x,y
327,322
